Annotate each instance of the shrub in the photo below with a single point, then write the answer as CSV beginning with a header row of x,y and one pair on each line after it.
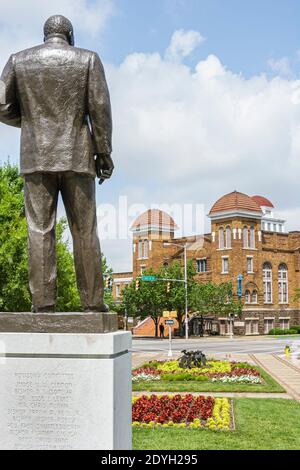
x,y
184,377
296,328
279,332
242,365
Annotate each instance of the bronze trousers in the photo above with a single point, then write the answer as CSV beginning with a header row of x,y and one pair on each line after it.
x,y
41,197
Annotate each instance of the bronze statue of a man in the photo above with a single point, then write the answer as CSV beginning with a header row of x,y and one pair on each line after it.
x,y
57,94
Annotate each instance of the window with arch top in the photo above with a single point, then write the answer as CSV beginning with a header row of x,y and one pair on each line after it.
x,y
247,297
283,283
252,238
245,237
221,239
225,238
228,237
267,280
255,297
146,249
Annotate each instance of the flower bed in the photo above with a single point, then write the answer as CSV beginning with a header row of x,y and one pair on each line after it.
x,y
181,412
145,374
215,371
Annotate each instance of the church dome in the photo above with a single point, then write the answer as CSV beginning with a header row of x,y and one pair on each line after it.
x,y
235,202
262,201
154,219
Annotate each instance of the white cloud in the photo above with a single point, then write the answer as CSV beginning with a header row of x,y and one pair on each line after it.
x,y
193,134
185,134
183,43
203,123
281,66
21,26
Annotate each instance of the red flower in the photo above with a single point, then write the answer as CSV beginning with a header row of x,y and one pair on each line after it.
x,y
147,371
179,409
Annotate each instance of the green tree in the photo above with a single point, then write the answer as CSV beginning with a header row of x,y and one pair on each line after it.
x,y
108,297
152,299
215,299
148,301
175,300
14,293
14,290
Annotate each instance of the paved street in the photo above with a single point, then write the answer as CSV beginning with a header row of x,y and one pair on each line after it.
x,y
210,346
265,352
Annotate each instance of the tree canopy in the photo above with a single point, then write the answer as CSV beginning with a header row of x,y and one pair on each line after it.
x,y
215,299
152,298
14,289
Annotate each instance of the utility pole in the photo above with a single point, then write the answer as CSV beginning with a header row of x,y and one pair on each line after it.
x,y
186,294
186,320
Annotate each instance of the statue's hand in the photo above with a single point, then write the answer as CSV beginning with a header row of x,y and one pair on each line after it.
x,y
104,167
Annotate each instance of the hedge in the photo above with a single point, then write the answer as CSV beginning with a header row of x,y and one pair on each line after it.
x,y
279,332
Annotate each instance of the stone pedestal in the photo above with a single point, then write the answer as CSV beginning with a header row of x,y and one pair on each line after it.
x,y
65,391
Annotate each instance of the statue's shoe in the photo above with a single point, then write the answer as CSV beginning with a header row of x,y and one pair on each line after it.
x,y
101,309
50,309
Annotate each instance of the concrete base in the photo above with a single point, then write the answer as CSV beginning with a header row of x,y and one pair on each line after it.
x,y
92,322
65,391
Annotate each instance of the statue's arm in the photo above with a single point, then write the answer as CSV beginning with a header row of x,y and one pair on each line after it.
x,y
99,107
9,106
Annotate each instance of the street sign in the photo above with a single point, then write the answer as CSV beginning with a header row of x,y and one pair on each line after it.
x,y
170,315
170,322
240,285
149,278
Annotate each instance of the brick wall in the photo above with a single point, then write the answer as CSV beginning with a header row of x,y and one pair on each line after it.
x,y
274,248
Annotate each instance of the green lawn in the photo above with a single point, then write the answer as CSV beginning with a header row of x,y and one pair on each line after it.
x,y
263,424
270,386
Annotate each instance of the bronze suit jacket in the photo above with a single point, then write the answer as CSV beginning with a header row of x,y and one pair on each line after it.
x,y
58,95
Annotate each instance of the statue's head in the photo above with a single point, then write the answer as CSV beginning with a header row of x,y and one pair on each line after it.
x,y
59,24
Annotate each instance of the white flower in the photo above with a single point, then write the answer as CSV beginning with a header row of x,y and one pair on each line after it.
x,y
145,377
250,379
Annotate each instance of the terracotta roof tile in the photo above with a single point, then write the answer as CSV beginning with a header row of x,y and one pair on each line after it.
x,y
154,217
235,201
262,201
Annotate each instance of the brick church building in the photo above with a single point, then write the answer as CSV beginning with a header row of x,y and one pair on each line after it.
x,y
246,239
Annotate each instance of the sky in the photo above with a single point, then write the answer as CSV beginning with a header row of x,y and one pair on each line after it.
x,y
205,97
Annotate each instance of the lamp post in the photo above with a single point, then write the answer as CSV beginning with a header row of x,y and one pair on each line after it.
x,y
185,284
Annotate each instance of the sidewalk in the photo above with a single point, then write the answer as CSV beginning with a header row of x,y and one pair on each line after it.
x,y
212,338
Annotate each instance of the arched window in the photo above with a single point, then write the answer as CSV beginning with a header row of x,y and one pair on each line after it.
x,y
245,237
146,249
247,297
228,237
283,284
267,279
255,297
252,238
221,239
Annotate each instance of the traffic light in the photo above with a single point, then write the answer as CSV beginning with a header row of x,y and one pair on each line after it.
x,y
108,283
137,284
168,287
